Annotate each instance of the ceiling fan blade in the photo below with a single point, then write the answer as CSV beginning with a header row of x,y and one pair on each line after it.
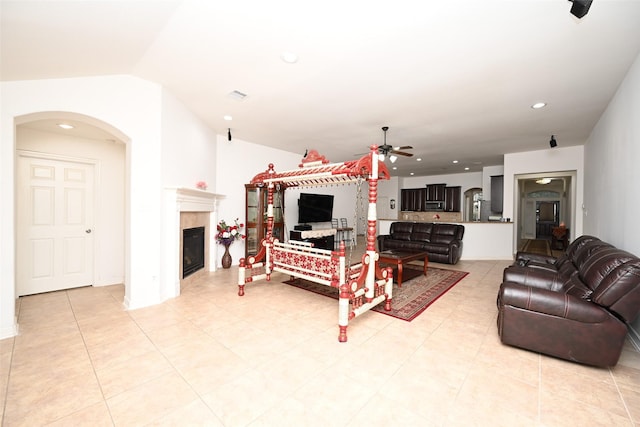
x,y
405,147
402,153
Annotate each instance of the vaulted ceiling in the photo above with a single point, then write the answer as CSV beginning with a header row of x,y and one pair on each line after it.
x,y
453,79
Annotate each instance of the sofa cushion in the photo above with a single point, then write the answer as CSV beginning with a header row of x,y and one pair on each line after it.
x,y
446,233
422,232
401,230
404,245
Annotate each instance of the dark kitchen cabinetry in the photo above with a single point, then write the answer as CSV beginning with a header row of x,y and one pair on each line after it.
x,y
497,188
436,192
256,216
412,199
452,199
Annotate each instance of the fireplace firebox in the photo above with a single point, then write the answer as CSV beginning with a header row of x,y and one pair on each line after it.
x,y
192,250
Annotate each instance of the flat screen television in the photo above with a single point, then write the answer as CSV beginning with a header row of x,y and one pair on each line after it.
x,y
315,208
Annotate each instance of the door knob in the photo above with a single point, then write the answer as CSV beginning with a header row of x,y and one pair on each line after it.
x,y
88,230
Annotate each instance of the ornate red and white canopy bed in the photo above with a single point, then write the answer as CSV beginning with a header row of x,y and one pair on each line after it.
x,y
361,286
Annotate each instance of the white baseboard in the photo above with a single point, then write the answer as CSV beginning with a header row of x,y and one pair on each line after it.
x,y
8,332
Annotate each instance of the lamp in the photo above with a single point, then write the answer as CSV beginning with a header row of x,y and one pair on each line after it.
x,y
552,142
393,158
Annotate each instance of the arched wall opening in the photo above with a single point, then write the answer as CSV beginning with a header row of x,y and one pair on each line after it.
x,y
101,146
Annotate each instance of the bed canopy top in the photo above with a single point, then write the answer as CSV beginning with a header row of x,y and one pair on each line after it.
x,y
316,170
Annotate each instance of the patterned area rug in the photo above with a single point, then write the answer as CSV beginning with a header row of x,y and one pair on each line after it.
x,y
537,246
411,299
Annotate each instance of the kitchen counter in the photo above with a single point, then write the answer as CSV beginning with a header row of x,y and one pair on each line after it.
x,y
482,240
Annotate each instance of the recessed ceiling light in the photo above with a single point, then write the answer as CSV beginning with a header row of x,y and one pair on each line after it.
x,y
289,57
419,159
65,126
455,161
467,168
411,174
539,105
228,118
394,168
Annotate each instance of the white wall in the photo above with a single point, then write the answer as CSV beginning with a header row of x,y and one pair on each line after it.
x,y
188,147
237,163
110,186
611,156
387,190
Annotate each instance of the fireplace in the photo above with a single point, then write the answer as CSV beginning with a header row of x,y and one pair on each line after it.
x,y
192,250
187,208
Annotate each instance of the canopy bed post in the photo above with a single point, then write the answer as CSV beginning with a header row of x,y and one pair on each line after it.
x,y
269,235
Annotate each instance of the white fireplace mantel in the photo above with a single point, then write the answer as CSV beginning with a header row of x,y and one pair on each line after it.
x,y
192,200
177,200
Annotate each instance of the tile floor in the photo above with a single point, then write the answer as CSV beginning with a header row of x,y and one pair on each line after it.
x,y
272,358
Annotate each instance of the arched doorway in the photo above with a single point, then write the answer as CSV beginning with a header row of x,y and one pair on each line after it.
x,y
70,202
472,204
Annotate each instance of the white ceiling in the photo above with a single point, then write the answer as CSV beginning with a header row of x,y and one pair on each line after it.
x,y
453,79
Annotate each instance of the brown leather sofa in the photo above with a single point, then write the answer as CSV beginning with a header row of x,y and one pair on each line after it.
x,y
577,307
442,241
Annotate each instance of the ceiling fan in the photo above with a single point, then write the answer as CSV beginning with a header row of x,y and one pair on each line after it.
x,y
393,152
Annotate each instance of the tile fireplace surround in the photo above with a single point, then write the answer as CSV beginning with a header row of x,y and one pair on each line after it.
x,y
187,208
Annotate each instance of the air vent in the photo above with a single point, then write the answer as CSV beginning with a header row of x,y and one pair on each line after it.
x,y
237,95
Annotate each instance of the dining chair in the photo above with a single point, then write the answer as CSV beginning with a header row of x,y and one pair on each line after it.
x,y
348,231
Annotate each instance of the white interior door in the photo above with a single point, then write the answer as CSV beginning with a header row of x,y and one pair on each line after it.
x,y
54,242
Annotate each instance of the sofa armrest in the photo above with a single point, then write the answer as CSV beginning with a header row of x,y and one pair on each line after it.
x,y
535,277
528,256
551,303
455,251
381,240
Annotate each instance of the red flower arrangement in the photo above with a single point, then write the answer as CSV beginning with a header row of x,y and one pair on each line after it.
x,y
227,234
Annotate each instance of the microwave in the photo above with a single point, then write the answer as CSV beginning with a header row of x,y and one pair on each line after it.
x,y
434,206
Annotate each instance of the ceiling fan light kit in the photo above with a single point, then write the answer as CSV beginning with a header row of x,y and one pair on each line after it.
x,y
393,152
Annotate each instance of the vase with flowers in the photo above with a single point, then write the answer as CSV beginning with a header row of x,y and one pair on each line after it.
x,y
227,234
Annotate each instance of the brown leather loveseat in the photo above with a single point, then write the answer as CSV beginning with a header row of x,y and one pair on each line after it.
x,y
577,307
442,241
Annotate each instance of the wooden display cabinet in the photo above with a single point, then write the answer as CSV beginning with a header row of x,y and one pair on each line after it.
x,y
256,216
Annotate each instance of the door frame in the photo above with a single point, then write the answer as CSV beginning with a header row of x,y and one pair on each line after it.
x,y
519,199
96,213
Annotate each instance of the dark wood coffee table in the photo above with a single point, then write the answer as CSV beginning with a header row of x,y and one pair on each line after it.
x,y
399,257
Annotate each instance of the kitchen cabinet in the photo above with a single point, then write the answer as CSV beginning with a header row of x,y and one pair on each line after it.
x,y
256,216
497,188
452,199
412,199
436,192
